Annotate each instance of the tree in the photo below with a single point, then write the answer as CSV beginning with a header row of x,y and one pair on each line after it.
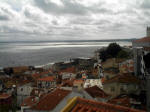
x,y
113,49
103,55
123,54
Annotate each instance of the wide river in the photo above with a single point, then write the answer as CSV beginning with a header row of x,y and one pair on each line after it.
x,y
39,53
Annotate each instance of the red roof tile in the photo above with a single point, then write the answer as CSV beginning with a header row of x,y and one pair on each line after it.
x,y
68,70
123,78
29,101
38,75
36,92
67,83
144,39
96,92
48,79
49,101
78,81
4,95
84,105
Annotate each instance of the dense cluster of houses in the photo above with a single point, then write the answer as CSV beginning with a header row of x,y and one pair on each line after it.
x,y
72,86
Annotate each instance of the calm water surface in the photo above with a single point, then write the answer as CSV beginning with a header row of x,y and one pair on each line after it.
x,y
39,53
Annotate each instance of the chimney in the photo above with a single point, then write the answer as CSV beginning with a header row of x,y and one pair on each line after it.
x,y
148,32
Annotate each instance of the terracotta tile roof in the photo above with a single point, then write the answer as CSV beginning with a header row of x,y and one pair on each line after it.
x,y
68,70
67,83
49,101
78,81
123,78
84,105
4,95
48,79
39,75
30,101
23,82
36,92
96,92
35,76
20,69
144,39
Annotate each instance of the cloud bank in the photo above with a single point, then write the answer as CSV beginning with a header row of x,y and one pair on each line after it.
x,y
73,19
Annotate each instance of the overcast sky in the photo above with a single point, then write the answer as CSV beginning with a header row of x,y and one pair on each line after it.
x,y
73,19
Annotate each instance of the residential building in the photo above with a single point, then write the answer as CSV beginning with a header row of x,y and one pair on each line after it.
x,y
23,91
138,50
78,83
108,74
5,102
131,101
68,75
1,85
109,63
19,70
122,84
5,99
46,82
97,94
141,48
29,102
93,82
126,66
67,84
54,101
84,63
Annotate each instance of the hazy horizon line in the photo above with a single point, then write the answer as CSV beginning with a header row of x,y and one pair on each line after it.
x,y
101,40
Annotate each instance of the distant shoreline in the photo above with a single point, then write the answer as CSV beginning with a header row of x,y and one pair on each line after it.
x,y
106,40
32,54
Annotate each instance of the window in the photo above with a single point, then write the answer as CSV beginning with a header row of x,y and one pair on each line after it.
x,y
112,89
107,77
21,89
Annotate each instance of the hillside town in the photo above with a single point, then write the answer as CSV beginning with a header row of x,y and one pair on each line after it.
x,y
115,79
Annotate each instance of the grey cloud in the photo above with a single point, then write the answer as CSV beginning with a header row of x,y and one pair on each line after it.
x,y
4,18
73,20
145,4
55,22
102,22
70,7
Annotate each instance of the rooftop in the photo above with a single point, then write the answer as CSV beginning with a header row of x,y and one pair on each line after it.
x,y
96,92
4,95
67,83
68,70
29,101
50,100
84,105
144,39
123,78
78,81
38,75
48,79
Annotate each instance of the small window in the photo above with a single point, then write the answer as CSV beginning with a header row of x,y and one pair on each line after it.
x,y
107,77
112,89
21,89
